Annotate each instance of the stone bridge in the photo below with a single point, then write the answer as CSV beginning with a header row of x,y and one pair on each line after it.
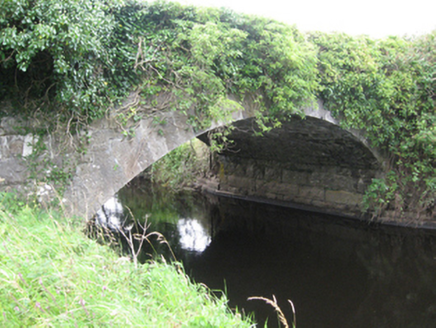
x,y
311,161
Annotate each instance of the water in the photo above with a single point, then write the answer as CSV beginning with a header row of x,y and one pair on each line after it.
x,y
337,273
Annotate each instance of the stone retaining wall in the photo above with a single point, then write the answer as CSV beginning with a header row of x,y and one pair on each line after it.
x,y
330,188
13,149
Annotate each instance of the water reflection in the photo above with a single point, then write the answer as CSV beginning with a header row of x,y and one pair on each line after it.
x,y
185,223
111,215
193,235
338,273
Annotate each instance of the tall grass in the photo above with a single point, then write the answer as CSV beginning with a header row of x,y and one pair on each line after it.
x,y
52,275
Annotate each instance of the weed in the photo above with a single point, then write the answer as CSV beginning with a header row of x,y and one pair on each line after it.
x,y
279,311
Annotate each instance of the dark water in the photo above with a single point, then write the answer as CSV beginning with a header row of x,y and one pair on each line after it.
x,y
337,273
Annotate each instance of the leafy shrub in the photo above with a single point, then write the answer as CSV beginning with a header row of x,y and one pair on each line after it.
x,y
386,88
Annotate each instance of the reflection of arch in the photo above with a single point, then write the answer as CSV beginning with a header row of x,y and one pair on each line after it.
x,y
112,159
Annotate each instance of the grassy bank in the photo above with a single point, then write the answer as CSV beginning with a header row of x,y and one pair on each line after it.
x,y
52,275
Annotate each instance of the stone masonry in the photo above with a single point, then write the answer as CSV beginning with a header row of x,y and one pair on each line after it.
x,y
311,161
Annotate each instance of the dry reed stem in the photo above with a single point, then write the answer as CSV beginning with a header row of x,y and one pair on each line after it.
x,y
142,237
276,307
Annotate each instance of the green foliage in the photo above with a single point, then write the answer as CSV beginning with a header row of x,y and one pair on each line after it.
x,y
52,275
181,167
79,55
201,56
386,88
55,53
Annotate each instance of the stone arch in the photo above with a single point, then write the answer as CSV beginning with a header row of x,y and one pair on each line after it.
x,y
112,159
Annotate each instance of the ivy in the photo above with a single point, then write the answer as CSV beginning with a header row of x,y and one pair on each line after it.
x,y
54,52
201,56
386,88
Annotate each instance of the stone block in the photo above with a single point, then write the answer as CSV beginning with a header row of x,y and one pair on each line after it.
x,y
361,186
318,178
229,168
239,169
28,144
258,172
320,204
339,182
241,183
229,189
302,200
11,146
273,172
295,177
13,171
343,197
249,171
262,187
333,178
287,190
311,193
8,126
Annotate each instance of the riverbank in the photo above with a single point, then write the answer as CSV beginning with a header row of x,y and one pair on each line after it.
x,y
53,275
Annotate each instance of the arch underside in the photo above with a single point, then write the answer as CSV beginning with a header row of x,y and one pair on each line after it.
x,y
308,162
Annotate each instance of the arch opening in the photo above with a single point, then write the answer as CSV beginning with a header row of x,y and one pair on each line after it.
x,y
308,163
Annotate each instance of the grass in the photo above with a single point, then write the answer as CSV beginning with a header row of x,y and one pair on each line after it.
x,y
52,275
